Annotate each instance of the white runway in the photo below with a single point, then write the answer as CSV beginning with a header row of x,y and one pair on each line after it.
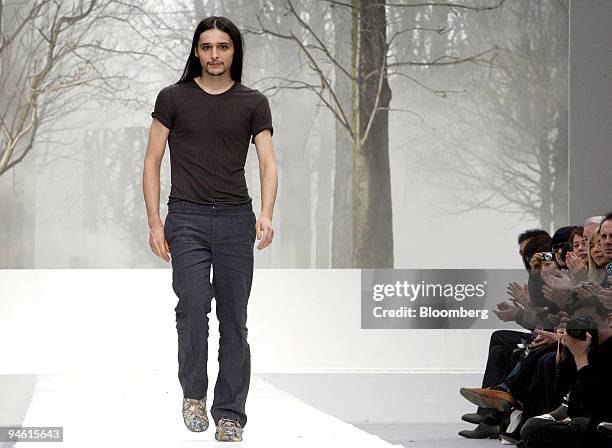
x,y
98,351
112,410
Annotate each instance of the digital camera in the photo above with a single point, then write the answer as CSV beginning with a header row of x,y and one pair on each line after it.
x,y
548,256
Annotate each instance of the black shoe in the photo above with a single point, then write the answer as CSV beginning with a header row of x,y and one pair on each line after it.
x,y
605,428
482,431
472,418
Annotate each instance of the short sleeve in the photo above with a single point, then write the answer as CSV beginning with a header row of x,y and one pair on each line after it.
x,y
261,118
164,108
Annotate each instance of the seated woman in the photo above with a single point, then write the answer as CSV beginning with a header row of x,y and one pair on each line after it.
x,y
597,259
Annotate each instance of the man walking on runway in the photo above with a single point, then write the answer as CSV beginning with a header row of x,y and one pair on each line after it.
x,y
208,119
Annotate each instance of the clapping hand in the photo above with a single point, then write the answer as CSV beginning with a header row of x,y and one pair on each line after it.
x,y
557,287
519,294
577,268
557,279
587,290
506,312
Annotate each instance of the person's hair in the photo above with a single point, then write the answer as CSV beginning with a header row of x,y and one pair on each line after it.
x,y
595,273
541,243
592,220
562,235
193,68
606,218
578,231
530,233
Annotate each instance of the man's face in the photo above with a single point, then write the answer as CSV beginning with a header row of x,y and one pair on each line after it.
x,y
606,239
522,245
579,244
215,51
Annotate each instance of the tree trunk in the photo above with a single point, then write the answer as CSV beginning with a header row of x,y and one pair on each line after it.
x,y
372,216
342,226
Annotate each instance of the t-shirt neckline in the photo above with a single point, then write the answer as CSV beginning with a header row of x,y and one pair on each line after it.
x,y
197,86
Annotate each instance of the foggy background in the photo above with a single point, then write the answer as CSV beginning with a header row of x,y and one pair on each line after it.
x,y
468,146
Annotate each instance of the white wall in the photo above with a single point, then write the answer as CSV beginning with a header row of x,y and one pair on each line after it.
x,y
123,320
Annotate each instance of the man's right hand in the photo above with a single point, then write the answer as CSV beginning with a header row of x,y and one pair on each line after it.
x,y
547,337
158,243
536,261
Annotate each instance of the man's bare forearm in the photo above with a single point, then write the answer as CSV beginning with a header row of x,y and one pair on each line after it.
x,y
151,188
269,185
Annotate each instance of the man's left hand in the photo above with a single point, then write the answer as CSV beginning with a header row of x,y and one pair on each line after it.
x,y
264,230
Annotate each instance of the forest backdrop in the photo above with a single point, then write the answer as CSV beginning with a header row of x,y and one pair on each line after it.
x,y
407,134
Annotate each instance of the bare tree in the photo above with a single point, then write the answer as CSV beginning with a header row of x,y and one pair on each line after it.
x,y
514,157
373,60
59,60
54,59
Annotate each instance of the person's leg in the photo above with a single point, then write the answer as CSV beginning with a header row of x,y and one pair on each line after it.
x,y
187,233
233,263
525,383
501,346
547,372
541,433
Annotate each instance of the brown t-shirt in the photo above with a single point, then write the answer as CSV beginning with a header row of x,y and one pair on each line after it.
x,y
209,139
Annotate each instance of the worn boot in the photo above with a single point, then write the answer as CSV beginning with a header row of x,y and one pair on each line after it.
x,y
194,414
229,430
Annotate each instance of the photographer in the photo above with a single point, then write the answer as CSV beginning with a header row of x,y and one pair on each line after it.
x,y
561,245
538,312
588,349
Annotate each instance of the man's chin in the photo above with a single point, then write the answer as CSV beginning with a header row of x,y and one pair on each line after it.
x,y
216,72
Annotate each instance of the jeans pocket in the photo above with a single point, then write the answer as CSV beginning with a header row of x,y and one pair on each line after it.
x,y
169,221
253,228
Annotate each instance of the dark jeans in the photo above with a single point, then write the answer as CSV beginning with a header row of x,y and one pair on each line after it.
x,y
540,433
221,235
499,363
534,385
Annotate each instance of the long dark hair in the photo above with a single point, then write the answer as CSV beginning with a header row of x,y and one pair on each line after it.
x,y
193,67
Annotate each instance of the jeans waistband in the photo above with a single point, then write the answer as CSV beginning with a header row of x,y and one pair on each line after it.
x,y
182,205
